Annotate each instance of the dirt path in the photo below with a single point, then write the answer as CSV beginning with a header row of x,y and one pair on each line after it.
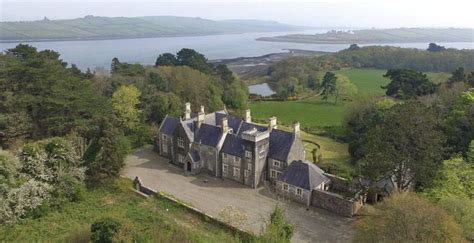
x,y
212,194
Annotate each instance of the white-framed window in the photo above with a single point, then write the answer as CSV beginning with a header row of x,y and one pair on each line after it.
x,y
237,161
274,174
248,154
224,157
249,166
181,142
180,158
285,187
276,163
225,168
236,172
246,173
299,192
164,148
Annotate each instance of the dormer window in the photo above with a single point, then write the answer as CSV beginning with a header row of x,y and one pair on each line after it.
x,y
276,163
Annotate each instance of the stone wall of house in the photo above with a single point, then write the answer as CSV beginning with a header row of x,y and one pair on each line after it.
x,y
304,198
209,159
336,203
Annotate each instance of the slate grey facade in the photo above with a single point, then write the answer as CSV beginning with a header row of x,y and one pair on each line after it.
x,y
228,147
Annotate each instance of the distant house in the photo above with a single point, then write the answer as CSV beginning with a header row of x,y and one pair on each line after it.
x,y
228,147
300,179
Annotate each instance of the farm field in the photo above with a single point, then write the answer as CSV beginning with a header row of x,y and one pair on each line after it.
x,y
313,113
147,220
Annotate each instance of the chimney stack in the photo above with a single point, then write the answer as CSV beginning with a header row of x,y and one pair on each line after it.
x,y
200,119
248,117
296,129
202,109
272,123
224,125
187,111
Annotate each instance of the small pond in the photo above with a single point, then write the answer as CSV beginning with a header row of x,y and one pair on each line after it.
x,y
261,89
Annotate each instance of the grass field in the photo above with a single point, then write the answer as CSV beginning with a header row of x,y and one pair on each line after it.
x,y
148,220
314,113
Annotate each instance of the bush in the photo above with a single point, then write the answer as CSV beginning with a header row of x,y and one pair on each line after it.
x,y
103,231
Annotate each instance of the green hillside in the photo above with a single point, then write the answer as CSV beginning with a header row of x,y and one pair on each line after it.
x,y
367,36
91,27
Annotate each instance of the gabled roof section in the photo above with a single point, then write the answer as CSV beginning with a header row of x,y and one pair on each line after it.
x,y
303,174
194,155
169,125
233,145
208,135
280,144
189,127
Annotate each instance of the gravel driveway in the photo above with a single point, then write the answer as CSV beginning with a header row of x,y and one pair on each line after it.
x,y
212,194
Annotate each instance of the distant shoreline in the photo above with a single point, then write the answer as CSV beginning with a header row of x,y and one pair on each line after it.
x,y
129,37
274,39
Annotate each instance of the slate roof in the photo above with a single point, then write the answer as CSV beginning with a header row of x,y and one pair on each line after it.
x,y
195,156
169,125
247,126
233,145
208,135
280,144
303,174
189,127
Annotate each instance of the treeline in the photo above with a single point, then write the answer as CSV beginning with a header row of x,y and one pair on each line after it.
x,y
297,75
65,129
422,137
388,57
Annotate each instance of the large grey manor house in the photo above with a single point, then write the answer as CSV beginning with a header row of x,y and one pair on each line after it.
x,y
237,149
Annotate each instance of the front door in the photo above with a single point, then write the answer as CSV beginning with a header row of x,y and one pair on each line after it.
x,y
188,166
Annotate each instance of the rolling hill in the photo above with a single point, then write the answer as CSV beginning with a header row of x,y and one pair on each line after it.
x,y
92,27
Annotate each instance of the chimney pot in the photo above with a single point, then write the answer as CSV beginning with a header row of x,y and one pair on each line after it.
x,y
248,116
225,125
272,123
202,109
296,129
187,111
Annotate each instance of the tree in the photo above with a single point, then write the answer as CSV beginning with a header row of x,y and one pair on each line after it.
x,y
406,84
106,154
278,230
457,75
406,217
9,172
166,59
470,152
459,123
353,47
328,85
103,231
193,59
115,66
408,144
453,179
363,116
345,89
125,101
433,47
462,210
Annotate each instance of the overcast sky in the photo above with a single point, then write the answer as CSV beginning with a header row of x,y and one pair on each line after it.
x,y
350,13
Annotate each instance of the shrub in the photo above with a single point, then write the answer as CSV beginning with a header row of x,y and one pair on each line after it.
x,y
103,231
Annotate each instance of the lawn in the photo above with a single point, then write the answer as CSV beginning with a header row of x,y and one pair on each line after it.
x,y
314,113
148,220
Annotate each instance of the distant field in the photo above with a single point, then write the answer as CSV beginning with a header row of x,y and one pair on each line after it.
x,y
151,220
315,113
